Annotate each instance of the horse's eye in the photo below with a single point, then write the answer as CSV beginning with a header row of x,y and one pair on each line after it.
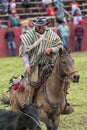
x,y
63,62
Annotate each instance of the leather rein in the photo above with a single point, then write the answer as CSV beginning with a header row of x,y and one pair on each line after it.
x,y
31,118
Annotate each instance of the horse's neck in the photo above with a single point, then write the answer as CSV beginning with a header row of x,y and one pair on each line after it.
x,y
56,82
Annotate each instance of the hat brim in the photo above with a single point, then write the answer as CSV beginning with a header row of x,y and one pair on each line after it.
x,y
40,24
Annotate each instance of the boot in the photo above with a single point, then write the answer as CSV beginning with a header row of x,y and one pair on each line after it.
x,y
68,109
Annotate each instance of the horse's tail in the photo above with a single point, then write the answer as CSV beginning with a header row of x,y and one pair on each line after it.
x,y
5,100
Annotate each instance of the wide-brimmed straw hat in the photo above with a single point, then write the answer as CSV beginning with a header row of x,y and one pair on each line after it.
x,y
40,22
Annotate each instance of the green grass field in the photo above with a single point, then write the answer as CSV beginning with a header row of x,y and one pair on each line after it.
x,y
77,92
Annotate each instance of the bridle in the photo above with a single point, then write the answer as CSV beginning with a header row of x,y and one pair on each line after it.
x,y
68,75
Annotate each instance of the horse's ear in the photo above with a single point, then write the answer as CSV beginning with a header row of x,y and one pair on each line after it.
x,y
60,51
22,76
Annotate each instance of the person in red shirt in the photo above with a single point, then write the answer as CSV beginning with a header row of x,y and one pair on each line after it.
x,y
50,10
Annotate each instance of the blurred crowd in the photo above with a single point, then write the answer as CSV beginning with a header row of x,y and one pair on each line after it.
x,y
51,7
54,8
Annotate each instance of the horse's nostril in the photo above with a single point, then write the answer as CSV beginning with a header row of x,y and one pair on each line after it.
x,y
76,78
38,128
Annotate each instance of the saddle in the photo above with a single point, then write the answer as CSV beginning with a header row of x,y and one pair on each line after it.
x,y
20,82
16,83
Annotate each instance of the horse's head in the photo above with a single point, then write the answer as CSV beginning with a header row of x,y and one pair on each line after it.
x,y
31,116
67,66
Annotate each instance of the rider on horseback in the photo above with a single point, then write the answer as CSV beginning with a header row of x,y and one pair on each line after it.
x,y
34,42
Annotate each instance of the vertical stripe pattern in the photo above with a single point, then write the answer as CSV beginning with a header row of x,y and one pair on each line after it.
x,y
51,39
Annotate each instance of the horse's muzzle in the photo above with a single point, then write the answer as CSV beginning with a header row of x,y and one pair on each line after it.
x,y
75,78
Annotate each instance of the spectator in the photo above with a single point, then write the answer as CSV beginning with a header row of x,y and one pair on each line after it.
x,y
84,21
14,18
2,25
26,5
0,4
79,34
12,5
75,6
45,4
9,36
50,10
61,12
24,25
77,18
5,6
64,32
58,3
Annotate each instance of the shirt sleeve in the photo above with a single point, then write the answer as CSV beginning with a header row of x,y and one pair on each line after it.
x,y
25,60
55,49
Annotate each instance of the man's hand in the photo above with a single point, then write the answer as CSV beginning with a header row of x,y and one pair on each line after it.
x,y
28,69
47,51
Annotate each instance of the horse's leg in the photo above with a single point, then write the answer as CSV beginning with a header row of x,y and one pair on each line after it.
x,y
14,106
44,118
13,101
55,122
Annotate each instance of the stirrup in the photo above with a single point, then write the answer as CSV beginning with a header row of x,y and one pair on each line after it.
x,y
68,109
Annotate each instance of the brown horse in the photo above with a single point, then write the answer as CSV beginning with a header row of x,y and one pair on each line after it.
x,y
51,97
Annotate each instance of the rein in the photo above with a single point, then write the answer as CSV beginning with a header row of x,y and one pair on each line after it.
x,y
31,118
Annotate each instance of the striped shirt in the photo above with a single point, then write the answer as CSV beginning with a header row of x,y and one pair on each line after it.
x,y
51,39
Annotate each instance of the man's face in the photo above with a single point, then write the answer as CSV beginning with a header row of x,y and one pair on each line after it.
x,y
40,29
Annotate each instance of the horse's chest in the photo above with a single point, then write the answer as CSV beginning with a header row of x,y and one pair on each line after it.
x,y
55,112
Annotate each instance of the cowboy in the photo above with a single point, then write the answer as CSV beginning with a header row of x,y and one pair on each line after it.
x,y
39,40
